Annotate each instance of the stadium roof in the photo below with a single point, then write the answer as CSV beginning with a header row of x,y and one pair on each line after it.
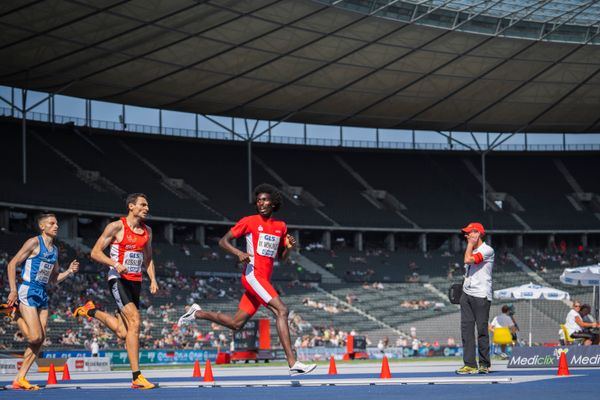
x,y
454,65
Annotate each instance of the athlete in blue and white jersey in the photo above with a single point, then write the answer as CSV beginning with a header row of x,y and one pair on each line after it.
x,y
38,259
36,271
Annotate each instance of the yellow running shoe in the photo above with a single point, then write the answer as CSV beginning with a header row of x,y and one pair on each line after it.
x,y
23,384
466,370
83,310
142,383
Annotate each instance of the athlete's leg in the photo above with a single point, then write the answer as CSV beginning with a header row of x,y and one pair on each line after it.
x,y
235,323
131,318
34,333
281,313
22,325
114,323
43,313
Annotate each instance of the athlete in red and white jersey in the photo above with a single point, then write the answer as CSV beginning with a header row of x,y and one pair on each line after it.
x,y
266,239
129,252
130,243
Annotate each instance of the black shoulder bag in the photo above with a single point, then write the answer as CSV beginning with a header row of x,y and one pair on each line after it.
x,y
455,290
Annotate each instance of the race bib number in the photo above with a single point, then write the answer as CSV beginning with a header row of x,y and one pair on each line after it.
x,y
267,245
133,260
43,274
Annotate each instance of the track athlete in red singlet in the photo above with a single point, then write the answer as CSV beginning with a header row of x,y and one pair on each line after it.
x,y
130,243
266,238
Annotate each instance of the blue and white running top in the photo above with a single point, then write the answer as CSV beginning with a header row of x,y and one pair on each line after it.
x,y
37,269
36,274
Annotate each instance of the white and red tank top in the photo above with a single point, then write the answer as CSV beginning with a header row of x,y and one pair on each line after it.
x,y
264,237
129,252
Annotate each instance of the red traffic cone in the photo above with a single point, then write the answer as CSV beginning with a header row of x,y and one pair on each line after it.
x,y
385,369
563,366
332,367
208,375
52,375
66,376
197,373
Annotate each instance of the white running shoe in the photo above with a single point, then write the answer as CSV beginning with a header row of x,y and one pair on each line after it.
x,y
189,316
301,369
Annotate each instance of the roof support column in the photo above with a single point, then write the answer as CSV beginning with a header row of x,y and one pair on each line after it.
x,y
123,117
249,148
88,113
305,134
24,134
160,124
483,180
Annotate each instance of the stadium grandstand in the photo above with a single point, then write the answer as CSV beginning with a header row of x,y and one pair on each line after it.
x,y
328,101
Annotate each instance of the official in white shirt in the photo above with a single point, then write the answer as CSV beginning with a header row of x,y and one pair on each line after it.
x,y
476,300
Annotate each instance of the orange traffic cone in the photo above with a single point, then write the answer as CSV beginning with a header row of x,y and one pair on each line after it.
x,y
385,369
563,366
208,375
197,373
52,376
332,367
66,375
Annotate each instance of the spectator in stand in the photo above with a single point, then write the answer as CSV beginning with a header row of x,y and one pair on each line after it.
x,y
577,327
586,316
94,347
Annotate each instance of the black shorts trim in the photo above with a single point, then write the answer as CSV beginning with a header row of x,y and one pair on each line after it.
x,y
125,292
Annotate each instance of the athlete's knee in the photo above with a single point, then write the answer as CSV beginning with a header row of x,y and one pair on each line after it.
x,y
35,339
237,325
121,333
132,318
282,311
133,329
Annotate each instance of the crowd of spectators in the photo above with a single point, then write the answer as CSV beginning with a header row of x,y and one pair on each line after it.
x,y
333,308
325,336
560,256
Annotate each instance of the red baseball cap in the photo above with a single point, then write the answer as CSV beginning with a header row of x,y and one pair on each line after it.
x,y
474,226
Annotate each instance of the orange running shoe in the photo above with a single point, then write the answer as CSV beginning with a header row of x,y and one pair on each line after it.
x,y
23,384
8,312
83,310
142,383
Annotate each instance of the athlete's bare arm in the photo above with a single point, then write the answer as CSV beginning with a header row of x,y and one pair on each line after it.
x,y
150,262
288,244
30,247
108,236
225,244
58,277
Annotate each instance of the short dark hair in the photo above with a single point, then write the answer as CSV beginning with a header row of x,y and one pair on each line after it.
x,y
276,199
585,307
505,309
42,216
132,199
